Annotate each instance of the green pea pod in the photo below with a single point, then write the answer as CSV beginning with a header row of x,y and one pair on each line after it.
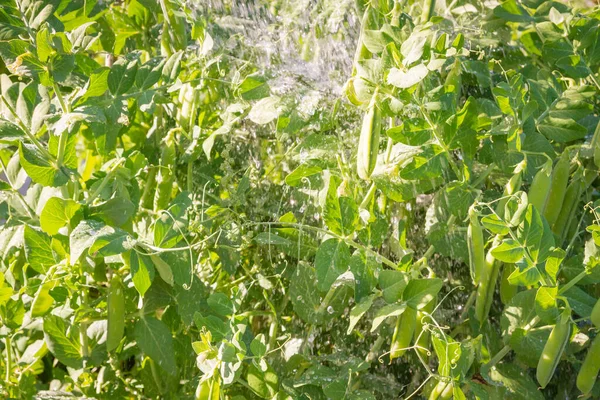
x,y
540,187
512,186
558,188
453,83
448,391
421,336
351,92
595,317
596,145
568,209
187,99
485,290
557,341
368,144
507,291
589,369
475,246
116,313
166,175
438,390
403,333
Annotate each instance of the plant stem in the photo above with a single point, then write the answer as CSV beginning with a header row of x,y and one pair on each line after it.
x,y
572,282
8,345
499,356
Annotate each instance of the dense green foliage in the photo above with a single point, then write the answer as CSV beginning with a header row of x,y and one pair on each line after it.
x,y
188,213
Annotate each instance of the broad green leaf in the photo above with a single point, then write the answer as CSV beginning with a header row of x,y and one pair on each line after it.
x,y
142,270
340,213
545,304
419,292
57,213
155,340
332,260
553,262
39,168
428,164
509,251
110,241
526,274
221,304
519,386
83,237
265,110
116,211
305,299
38,249
297,176
258,346
164,269
392,283
121,76
495,225
409,78
390,310
561,130
263,383
519,312
364,269
43,301
358,311
65,347
9,132
528,345
538,237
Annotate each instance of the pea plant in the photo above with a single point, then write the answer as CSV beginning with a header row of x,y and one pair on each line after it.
x,y
401,202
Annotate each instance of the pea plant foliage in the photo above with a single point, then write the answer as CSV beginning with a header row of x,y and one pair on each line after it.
x,y
188,214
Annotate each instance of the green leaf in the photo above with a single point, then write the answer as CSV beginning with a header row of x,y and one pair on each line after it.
x,y
65,348
509,251
390,310
304,297
419,292
220,304
121,76
116,211
155,340
38,249
57,213
297,176
529,344
537,234
83,237
340,213
142,270
263,383
111,241
495,225
39,168
428,164
332,260
358,311
409,78
561,130
393,283
526,274
545,304
43,301
9,132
